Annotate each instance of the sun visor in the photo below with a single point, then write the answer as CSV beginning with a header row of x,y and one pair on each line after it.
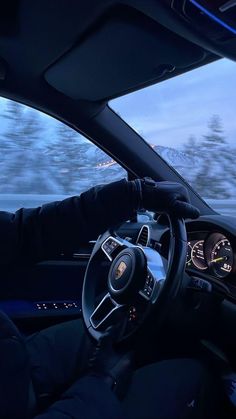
x,y
123,52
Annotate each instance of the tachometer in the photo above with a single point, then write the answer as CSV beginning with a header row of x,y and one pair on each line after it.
x,y
221,260
197,255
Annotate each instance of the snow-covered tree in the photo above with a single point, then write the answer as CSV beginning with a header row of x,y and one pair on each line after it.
x,y
24,165
214,174
68,157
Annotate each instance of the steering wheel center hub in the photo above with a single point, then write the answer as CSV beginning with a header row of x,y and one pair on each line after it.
x,y
127,274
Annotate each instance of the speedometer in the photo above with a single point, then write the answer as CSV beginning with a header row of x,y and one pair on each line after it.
x,y
198,257
221,260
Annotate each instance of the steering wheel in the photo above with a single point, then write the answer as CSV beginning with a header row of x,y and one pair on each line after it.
x,y
137,279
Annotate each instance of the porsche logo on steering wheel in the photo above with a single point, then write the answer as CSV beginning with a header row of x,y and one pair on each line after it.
x,y
120,270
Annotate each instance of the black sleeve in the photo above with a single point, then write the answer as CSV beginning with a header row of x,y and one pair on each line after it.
x,y
88,398
32,235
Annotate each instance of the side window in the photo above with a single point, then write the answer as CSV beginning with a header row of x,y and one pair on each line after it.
x,y
41,159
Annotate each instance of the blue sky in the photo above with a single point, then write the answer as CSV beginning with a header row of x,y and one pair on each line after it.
x,y
169,112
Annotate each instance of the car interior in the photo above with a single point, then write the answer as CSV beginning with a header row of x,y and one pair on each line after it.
x,y
69,60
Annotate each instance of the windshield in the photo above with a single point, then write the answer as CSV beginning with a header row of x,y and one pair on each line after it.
x,y
190,121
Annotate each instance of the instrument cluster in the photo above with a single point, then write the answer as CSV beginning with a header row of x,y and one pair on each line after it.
x,y
210,253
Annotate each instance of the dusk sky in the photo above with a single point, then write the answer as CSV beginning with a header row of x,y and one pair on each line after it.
x,y
169,112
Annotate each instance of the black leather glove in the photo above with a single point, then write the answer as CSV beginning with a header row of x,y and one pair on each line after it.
x,y
114,368
165,197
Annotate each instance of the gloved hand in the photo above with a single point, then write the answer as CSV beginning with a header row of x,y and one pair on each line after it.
x,y
114,368
166,197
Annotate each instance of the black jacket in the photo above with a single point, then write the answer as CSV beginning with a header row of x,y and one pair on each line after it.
x,y
32,235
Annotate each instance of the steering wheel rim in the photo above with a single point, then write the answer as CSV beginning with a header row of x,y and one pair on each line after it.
x,y
167,285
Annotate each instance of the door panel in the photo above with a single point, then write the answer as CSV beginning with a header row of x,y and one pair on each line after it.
x,y
44,294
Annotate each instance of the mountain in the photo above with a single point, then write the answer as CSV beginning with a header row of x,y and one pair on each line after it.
x,y
211,172
176,158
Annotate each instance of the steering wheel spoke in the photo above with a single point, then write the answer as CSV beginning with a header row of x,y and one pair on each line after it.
x,y
107,313
155,277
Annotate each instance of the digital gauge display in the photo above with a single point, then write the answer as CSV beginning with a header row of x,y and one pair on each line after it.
x,y
197,255
221,259
212,253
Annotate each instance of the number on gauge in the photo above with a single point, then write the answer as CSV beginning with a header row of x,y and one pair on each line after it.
x,y
221,260
198,257
189,256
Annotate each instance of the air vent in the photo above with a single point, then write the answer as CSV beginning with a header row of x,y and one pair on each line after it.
x,y
144,236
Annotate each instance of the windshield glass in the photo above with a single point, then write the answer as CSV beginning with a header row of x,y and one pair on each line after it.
x,y
190,121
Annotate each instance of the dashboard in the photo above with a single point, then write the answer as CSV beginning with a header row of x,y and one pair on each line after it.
x,y
211,250
211,253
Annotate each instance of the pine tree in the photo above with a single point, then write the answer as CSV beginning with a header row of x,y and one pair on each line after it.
x,y
35,170
12,114
24,168
213,176
191,147
215,136
68,158
210,178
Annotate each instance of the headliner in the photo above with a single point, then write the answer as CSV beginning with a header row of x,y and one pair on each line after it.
x,y
68,58
41,39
